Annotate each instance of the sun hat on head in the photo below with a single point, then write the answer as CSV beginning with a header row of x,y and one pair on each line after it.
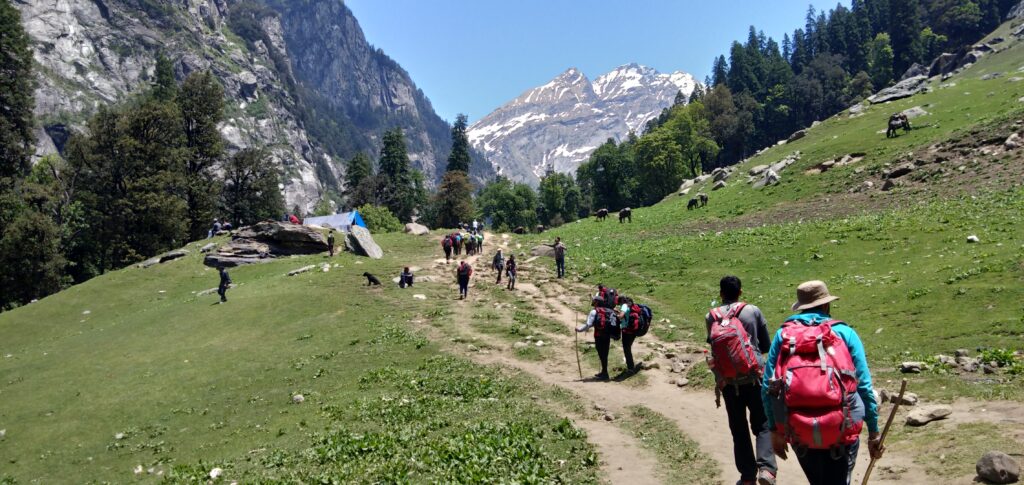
x,y
812,294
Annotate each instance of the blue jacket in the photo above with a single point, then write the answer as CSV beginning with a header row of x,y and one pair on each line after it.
x,y
860,362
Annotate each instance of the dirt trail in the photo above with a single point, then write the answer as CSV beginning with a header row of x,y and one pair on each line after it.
x,y
693,410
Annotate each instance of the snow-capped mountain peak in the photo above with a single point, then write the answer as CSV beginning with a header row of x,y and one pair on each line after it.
x,y
558,124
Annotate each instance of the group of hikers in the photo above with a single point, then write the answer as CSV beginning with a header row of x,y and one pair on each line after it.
x,y
217,227
812,391
454,243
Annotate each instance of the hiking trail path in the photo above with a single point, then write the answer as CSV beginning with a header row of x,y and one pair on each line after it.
x,y
622,458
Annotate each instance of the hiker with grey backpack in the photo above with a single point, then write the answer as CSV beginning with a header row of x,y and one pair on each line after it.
x,y
738,334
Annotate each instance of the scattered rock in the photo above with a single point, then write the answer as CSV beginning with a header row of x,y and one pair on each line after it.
x,y
945,360
416,229
989,369
758,170
419,297
924,415
207,248
912,367
903,89
991,76
914,71
898,171
651,365
609,417
543,250
682,382
796,136
216,473
3,433
973,239
677,368
539,343
720,174
304,269
119,436
298,399
915,112
857,109
998,467
362,243
520,345
961,353
719,185
1013,142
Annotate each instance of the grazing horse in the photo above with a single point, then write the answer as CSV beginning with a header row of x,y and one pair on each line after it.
x,y
897,121
626,214
519,230
703,199
602,214
692,204
541,228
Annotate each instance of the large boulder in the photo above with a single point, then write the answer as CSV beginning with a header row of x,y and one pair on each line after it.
x,y
171,256
284,238
719,185
543,250
758,170
361,242
416,229
903,89
914,112
998,467
796,136
914,71
943,64
239,252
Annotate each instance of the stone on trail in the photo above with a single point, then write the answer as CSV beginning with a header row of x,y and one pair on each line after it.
x,y
973,239
1013,142
911,367
608,417
909,398
682,382
207,248
924,415
419,297
304,269
298,399
362,243
520,345
998,467
416,229
961,353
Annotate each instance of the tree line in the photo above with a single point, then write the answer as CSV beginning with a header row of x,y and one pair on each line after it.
x,y
143,177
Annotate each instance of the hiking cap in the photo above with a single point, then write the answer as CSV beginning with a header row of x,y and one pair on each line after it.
x,y
812,294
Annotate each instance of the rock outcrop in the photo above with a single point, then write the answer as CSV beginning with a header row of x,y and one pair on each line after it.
x,y
903,89
265,240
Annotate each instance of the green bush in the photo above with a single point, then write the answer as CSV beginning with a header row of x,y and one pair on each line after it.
x,y
1002,357
379,219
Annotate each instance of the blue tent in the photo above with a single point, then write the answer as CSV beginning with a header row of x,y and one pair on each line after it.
x,y
342,222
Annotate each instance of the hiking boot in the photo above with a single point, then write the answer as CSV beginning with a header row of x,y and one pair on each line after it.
x,y
601,376
765,477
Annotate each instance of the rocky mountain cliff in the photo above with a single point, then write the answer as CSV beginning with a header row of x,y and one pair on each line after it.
x,y
301,78
560,123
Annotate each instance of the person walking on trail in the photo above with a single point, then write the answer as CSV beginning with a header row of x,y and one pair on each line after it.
x,y
498,264
458,244
628,320
559,257
511,270
738,334
446,245
225,283
330,243
820,414
405,279
602,319
462,273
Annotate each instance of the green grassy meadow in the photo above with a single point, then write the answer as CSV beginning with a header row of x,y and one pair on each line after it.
x,y
133,369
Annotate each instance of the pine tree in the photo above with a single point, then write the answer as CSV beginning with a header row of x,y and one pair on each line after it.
x,y
357,169
16,96
406,186
164,85
904,34
201,102
719,71
453,203
459,159
251,190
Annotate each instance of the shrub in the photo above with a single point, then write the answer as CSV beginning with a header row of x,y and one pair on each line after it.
x,y
379,219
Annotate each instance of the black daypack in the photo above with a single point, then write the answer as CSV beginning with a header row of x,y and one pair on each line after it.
x,y
610,297
646,316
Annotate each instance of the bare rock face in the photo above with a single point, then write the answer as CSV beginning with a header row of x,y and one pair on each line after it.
x,y
903,89
265,240
360,242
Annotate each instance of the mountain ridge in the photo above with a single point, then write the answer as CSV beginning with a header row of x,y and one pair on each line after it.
x,y
558,124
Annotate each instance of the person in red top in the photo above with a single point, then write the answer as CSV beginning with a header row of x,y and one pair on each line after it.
x,y
293,219
463,273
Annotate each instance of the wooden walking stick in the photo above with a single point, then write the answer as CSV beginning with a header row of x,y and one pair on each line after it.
x,y
885,431
577,346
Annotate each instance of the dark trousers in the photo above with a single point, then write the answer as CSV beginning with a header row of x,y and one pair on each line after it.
x,y
821,469
447,254
499,269
602,343
739,399
463,286
330,250
627,349
560,266
222,290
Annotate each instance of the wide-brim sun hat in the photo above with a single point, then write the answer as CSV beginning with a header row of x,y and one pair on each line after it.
x,y
812,294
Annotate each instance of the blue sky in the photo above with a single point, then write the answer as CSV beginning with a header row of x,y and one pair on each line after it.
x,y
472,56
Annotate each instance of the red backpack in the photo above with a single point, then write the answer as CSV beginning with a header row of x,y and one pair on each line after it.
x,y
817,376
610,297
447,243
733,356
605,323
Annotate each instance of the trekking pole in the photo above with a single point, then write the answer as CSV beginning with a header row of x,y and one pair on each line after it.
x,y
885,431
577,346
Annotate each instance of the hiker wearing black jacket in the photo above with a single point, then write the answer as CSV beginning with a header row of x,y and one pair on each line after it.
x,y
498,264
742,395
225,283
330,243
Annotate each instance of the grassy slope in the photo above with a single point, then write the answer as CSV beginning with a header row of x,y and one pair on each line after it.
x,y
188,381
909,281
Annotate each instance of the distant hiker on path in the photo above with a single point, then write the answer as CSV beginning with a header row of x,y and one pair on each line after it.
x,y
462,273
447,244
225,283
559,257
405,279
602,319
738,334
330,243
511,270
498,264
820,414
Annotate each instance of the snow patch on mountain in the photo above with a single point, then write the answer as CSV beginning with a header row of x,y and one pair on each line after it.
x,y
560,123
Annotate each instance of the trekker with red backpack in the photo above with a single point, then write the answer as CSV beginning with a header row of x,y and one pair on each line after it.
x,y
446,244
606,329
817,390
738,334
